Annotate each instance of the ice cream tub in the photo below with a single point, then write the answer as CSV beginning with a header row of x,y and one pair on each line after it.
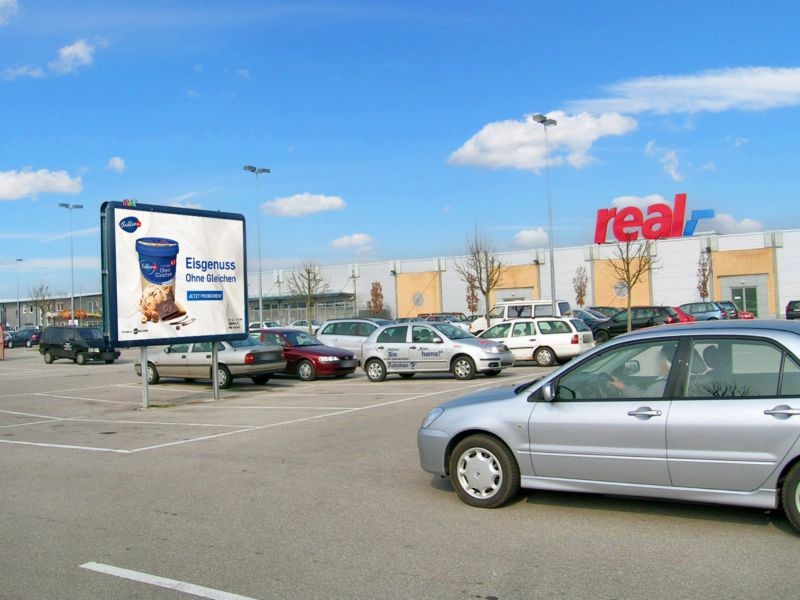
x,y
157,260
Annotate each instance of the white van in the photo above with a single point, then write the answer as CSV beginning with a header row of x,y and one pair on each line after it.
x,y
520,309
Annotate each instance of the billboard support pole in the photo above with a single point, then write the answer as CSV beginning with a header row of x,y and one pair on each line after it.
x,y
215,369
143,362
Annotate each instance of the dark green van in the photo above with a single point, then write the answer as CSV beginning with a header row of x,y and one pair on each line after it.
x,y
79,344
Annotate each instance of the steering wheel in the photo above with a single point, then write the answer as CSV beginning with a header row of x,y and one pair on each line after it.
x,y
606,389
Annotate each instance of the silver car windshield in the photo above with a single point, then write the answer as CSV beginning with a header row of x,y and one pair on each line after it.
x,y
451,331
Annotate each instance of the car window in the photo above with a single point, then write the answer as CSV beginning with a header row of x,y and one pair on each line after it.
x,y
544,310
630,371
498,312
731,368
179,348
523,329
300,339
423,335
519,311
365,329
330,329
498,331
564,308
393,335
551,327
452,332
273,339
248,342
620,316
790,382
202,347
579,325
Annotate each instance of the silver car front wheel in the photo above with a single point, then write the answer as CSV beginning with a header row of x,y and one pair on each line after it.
x,y
463,367
483,471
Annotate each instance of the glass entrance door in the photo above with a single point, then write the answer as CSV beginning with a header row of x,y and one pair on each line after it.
x,y
746,299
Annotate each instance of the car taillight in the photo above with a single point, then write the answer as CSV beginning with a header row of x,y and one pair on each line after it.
x,y
670,320
574,339
249,358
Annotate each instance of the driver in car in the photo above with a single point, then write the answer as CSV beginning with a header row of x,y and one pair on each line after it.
x,y
655,389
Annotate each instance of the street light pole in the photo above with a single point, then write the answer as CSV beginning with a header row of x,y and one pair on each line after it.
x,y
258,171
19,317
545,122
71,207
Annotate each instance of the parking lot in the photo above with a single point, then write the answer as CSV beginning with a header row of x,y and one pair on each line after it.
x,y
313,490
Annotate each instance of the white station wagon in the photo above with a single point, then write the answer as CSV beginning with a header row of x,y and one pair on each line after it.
x,y
544,340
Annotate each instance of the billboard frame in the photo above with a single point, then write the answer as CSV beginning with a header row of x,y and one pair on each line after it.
x,y
108,238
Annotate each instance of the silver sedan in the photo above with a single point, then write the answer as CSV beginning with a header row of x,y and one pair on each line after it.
x,y
704,412
410,348
241,358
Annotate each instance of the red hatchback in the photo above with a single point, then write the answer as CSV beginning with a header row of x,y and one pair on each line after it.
x,y
682,316
307,357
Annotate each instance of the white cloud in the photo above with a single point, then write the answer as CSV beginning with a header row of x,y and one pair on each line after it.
x,y
15,185
117,164
724,223
519,144
639,201
650,148
8,10
447,208
360,242
190,93
182,201
243,73
302,204
530,238
709,166
90,232
73,57
742,88
33,72
736,142
671,165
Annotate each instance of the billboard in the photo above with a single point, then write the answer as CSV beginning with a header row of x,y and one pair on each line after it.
x,y
172,274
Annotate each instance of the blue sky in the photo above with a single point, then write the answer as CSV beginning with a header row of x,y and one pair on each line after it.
x,y
401,124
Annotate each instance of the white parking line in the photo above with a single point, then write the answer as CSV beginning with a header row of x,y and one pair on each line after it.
x,y
172,584
28,423
65,446
81,398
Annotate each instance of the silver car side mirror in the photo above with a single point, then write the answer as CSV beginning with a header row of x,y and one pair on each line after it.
x,y
549,392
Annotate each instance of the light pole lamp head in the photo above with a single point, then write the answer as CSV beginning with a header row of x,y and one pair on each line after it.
x,y
537,118
262,170
19,260
63,205
549,122
250,168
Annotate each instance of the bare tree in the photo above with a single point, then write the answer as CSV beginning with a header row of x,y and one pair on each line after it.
x,y
307,282
472,295
631,262
42,300
581,284
481,267
375,304
703,275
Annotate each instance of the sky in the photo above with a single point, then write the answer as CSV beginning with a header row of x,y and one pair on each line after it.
x,y
392,129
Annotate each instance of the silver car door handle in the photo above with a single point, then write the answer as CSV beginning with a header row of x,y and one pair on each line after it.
x,y
783,411
380,348
644,411
412,347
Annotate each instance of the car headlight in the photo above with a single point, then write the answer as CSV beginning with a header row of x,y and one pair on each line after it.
x,y
328,358
492,350
431,417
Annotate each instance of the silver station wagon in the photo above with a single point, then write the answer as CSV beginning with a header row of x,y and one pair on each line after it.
x,y
411,348
706,412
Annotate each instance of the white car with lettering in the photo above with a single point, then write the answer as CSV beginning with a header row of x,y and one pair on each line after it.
x,y
422,347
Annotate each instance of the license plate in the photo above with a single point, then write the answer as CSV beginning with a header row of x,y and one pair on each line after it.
x,y
347,364
587,338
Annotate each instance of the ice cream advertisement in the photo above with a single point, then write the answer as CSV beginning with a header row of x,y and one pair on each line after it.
x,y
173,274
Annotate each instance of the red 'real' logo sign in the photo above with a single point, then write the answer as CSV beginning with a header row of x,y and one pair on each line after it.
x,y
655,222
